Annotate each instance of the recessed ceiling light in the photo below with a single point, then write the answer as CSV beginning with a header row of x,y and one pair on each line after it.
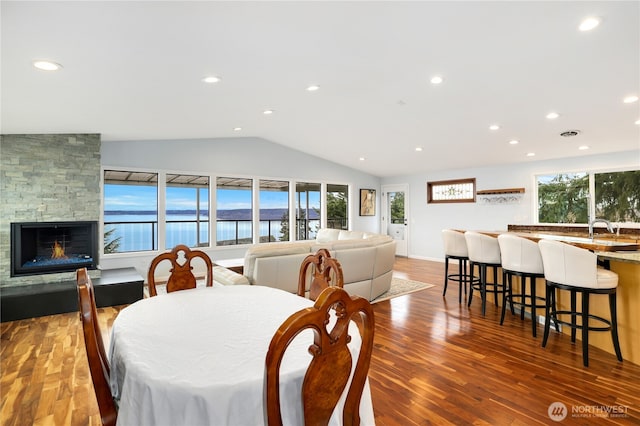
x,y
630,99
583,147
531,154
211,79
514,142
436,79
237,129
46,65
553,115
419,149
589,23
267,112
361,158
313,88
638,121
494,127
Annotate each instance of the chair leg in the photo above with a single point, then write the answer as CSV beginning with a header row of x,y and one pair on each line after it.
x,y
483,287
573,316
549,299
461,279
495,284
506,278
446,274
509,278
523,287
614,325
471,265
585,329
534,317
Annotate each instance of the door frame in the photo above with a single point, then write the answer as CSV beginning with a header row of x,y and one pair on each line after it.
x,y
402,246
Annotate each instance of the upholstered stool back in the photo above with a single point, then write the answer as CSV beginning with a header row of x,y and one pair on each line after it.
x,y
576,270
570,265
482,248
455,247
455,243
521,258
484,251
520,254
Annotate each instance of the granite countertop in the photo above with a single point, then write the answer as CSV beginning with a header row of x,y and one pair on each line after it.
x,y
618,256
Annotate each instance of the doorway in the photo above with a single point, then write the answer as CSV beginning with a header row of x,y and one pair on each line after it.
x,y
395,217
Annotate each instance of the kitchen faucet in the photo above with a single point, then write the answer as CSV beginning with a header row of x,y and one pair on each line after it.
x,y
596,220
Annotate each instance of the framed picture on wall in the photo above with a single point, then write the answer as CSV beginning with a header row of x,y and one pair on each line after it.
x,y
367,202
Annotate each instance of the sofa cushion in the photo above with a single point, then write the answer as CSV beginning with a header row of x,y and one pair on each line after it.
x,y
357,264
271,250
225,276
279,272
327,234
350,235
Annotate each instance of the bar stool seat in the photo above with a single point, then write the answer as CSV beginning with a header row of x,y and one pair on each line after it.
x,y
455,247
574,269
521,258
484,251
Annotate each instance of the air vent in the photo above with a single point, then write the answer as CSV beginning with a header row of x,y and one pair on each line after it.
x,y
570,133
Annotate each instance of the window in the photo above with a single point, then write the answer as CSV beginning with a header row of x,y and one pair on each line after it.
x,y
337,206
274,210
569,197
307,210
187,211
133,222
234,211
563,198
130,211
617,196
452,191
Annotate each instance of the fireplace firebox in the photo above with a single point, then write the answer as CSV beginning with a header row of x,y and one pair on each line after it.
x,y
51,247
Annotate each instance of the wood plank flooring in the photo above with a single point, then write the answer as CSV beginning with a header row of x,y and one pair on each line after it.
x,y
434,362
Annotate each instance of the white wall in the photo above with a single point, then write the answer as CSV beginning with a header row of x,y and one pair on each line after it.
x,y
249,157
428,220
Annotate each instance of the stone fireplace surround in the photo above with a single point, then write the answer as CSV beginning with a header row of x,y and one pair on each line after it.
x,y
46,178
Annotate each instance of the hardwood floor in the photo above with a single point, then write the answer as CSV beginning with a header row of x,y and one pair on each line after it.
x,y
434,362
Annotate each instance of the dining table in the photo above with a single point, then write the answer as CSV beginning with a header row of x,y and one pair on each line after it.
x,y
197,357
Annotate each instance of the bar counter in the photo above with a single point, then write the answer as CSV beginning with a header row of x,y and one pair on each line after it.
x,y
621,253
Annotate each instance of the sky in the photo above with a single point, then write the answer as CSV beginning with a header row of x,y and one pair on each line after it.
x,y
132,197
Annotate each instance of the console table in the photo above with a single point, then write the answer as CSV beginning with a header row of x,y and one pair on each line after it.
x,y
114,287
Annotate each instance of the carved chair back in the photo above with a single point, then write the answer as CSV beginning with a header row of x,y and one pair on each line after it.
x,y
331,367
182,277
325,271
96,354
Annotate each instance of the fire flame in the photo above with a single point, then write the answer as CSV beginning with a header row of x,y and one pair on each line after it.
x,y
57,252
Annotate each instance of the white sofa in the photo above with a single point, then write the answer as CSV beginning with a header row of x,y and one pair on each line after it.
x,y
366,259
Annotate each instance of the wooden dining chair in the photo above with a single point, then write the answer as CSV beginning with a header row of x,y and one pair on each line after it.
x,y
96,354
330,369
181,277
325,271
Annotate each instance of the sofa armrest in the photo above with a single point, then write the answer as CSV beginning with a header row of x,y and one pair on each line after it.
x,y
226,276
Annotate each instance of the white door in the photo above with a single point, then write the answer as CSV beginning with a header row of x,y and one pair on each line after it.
x,y
395,220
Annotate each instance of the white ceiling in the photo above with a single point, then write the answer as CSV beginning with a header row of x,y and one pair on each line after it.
x,y
133,70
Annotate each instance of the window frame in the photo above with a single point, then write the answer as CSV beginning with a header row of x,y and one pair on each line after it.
x,y
433,186
592,202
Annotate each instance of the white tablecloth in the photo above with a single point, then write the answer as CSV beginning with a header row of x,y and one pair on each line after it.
x,y
197,357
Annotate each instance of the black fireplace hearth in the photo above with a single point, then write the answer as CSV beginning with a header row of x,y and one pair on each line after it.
x,y
51,247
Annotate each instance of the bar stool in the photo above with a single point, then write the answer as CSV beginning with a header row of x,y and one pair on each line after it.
x,y
484,251
455,247
571,268
521,258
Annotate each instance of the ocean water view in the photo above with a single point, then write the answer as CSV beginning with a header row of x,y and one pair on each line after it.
x,y
139,231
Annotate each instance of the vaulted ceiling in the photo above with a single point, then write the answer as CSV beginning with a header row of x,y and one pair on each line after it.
x,y
134,71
